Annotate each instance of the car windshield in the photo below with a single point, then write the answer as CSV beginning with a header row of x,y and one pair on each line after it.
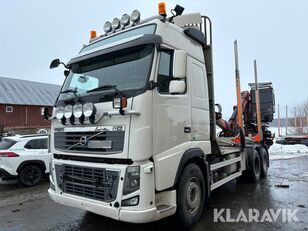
x,y
127,69
6,144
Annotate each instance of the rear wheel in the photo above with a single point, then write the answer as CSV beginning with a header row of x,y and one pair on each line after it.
x,y
190,195
254,166
30,175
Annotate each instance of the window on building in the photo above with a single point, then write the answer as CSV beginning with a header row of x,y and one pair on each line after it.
x,y
9,109
37,144
164,72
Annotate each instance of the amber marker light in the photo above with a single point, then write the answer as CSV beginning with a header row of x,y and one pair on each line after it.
x,y
162,9
93,34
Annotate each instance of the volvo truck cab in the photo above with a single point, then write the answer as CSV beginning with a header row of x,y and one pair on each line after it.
x,y
133,130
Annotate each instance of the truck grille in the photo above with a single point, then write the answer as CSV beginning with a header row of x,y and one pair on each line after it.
x,y
94,183
71,141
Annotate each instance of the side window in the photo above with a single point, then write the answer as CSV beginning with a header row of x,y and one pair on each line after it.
x,y
32,144
37,144
164,73
42,143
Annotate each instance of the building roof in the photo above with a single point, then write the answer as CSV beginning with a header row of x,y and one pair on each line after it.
x,y
23,92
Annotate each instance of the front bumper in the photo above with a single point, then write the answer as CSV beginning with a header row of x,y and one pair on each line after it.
x,y
145,211
132,216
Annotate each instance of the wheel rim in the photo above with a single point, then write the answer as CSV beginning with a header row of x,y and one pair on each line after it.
x,y
30,175
193,195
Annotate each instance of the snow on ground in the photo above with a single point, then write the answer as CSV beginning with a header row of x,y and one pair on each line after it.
x,y
279,151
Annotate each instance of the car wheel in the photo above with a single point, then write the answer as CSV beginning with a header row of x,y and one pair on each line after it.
x,y
264,162
190,195
30,175
254,167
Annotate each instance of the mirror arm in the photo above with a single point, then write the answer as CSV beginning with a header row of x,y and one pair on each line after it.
x,y
64,65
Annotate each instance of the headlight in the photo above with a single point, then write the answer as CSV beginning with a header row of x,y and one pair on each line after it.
x,y
68,111
89,110
77,110
135,16
125,20
59,113
132,180
107,27
116,24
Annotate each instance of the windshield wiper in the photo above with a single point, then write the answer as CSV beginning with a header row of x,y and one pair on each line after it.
x,y
105,88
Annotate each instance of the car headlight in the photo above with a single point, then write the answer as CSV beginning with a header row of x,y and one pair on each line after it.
x,y
68,111
77,110
59,113
132,180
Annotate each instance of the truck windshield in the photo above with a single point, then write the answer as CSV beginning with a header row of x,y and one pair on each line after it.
x,y
127,69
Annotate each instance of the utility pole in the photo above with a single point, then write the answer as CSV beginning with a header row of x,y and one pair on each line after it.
x,y
286,120
295,124
279,134
300,120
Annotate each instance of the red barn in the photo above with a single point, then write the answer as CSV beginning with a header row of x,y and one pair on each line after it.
x,y
21,102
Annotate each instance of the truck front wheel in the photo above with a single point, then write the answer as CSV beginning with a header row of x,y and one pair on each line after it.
x,y
190,195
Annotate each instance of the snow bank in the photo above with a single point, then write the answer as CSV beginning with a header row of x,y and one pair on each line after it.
x,y
278,151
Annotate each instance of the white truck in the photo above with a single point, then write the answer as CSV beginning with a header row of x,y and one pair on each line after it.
x,y
133,131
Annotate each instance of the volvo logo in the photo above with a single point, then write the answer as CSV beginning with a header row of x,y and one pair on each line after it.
x,y
83,141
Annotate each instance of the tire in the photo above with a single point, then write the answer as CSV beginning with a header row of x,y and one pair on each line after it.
x,y
30,175
190,195
254,167
264,162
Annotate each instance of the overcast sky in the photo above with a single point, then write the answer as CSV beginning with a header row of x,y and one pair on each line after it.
x,y
33,32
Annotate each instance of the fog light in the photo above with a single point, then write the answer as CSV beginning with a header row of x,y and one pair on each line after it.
x,y
59,113
68,111
107,27
131,201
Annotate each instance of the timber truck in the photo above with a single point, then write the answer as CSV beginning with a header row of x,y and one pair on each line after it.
x,y
133,130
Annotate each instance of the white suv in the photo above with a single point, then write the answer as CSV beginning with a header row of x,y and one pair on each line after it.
x,y
24,158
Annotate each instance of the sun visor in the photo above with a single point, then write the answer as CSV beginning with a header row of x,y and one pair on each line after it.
x,y
143,40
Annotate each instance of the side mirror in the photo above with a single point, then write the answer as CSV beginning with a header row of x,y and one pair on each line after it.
x,y
177,87
55,63
45,113
179,64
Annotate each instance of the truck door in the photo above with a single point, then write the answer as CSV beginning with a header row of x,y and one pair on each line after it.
x,y
171,124
199,101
